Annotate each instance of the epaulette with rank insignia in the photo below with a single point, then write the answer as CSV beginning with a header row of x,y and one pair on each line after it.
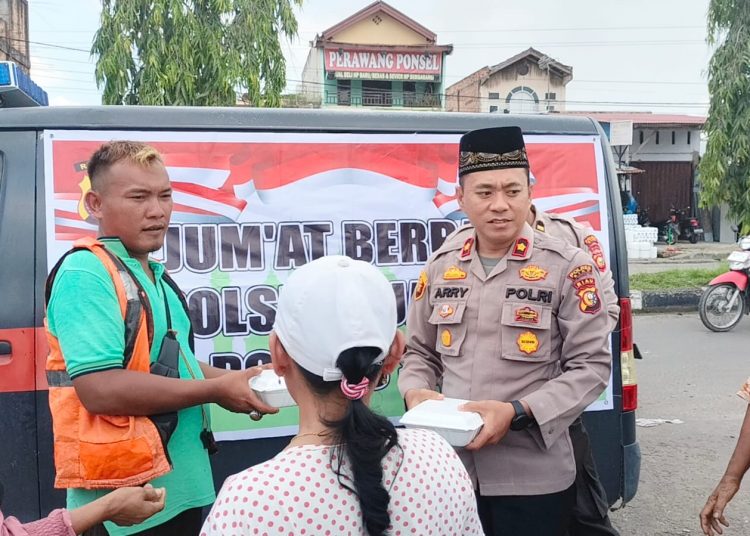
x,y
456,240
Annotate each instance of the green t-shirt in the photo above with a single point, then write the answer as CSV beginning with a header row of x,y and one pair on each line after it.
x,y
84,315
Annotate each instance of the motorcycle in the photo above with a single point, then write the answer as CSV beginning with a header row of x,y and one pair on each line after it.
x,y
690,227
727,297
643,218
669,229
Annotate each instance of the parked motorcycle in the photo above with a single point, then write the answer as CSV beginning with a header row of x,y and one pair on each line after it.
x,y
727,298
690,227
680,226
669,229
643,218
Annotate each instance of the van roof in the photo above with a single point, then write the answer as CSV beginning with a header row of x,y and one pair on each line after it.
x,y
259,119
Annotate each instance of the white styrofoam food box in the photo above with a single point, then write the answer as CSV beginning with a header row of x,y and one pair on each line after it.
x,y
271,389
443,417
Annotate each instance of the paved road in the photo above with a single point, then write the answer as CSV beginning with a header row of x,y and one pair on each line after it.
x,y
691,374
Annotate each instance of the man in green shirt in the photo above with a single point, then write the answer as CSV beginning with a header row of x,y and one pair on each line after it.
x,y
131,197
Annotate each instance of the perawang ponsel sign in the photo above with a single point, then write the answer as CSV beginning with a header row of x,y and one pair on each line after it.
x,y
382,61
249,208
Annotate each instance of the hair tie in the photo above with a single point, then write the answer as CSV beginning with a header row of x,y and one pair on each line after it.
x,y
355,391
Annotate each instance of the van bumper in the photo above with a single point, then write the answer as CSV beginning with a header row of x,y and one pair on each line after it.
x,y
631,458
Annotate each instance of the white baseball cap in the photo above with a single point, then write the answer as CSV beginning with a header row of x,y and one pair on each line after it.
x,y
333,304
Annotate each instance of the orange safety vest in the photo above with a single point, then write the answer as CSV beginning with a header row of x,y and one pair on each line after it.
x,y
105,451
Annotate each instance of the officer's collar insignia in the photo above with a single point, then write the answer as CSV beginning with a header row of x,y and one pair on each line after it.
x,y
453,273
466,249
540,226
532,273
520,248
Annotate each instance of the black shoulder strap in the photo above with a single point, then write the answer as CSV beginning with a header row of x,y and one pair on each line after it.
x,y
133,308
53,274
181,296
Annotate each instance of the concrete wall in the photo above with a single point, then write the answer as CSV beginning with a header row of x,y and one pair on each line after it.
x,y
380,29
464,95
665,150
313,76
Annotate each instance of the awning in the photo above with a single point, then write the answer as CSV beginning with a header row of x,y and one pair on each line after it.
x,y
629,170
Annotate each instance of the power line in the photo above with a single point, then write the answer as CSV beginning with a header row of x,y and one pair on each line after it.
x,y
584,44
565,29
62,60
51,45
463,46
472,31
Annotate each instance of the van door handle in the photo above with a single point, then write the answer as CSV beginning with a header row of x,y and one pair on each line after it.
x,y
5,348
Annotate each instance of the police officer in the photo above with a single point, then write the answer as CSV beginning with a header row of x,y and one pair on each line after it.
x,y
591,512
512,320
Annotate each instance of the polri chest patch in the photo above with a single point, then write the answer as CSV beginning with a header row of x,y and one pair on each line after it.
x,y
538,295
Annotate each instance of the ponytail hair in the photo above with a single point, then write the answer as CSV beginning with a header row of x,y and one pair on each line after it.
x,y
362,437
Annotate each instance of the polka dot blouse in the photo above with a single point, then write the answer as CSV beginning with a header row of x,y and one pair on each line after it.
x,y
298,493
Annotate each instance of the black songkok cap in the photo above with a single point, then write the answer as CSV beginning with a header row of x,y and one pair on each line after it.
x,y
492,148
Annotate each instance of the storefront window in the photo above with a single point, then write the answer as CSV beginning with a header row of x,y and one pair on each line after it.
x,y
377,93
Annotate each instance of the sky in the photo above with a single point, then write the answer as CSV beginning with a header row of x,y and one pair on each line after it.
x,y
639,55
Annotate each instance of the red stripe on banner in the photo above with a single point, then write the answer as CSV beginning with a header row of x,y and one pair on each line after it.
x,y
441,199
59,213
185,209
415,164
63,232
551,192
218,196
575,206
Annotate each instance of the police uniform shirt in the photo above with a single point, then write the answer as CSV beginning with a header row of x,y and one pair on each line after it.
x,y
534,328
577,235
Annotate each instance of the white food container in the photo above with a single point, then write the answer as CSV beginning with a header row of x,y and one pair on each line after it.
x,y
272,389
443,417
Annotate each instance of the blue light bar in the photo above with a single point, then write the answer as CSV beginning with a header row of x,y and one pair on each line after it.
x,y
5,76
18,89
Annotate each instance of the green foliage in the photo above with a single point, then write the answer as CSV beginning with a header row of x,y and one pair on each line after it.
x,y
725,168
193,52
676,279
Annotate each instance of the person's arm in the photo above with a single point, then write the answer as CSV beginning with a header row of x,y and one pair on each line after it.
x,y
422,367
595,251
123,506
712,515
127,392
585,356
83,296
210,372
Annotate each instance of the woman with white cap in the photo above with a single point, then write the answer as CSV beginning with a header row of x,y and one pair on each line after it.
x,y
348,470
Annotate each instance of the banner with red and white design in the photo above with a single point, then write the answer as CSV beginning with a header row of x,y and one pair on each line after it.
x,y
250,207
